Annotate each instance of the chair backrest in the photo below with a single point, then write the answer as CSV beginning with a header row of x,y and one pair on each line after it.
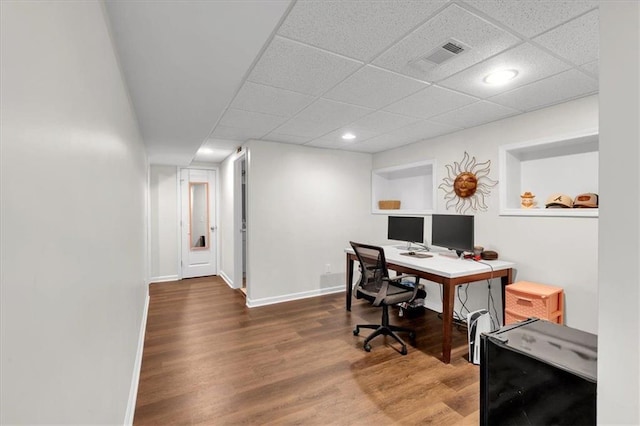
x,y
373,265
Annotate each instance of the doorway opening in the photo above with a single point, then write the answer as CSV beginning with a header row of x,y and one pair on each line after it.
x,y
241,279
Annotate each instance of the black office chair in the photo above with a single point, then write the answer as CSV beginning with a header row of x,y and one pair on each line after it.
x,y
376,286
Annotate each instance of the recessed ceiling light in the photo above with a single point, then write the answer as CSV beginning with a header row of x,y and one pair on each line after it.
x,y
500,77
348,136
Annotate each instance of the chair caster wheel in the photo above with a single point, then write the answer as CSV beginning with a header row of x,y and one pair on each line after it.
x,y
404,350
367,347
412,336
356,331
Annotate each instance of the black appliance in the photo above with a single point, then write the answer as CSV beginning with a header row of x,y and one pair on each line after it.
x,y
538,373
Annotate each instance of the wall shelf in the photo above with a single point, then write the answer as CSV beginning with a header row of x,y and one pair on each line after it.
x,y
413,184
566,164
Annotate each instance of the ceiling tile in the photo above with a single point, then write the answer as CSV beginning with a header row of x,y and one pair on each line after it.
x,y
358,29
304,128
374,88
252,121
480,37
280,137
270,100
333,114
564,86
334,139
235,133
578,40
431,101
531,62
380,143
424,129
592,68
293,66
383,122
475,114
531,18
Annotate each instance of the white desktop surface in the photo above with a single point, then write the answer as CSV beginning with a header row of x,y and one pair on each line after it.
x,y
443,263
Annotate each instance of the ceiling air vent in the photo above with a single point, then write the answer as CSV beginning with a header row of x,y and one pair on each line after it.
x,y
450,49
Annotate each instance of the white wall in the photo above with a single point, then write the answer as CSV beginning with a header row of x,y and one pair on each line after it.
x,y
73,181
557,251
164,234
227,225
305,204
619,249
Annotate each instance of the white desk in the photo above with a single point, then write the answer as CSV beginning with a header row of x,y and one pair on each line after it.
x,y
442,268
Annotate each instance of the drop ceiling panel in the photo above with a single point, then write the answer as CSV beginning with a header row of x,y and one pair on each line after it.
x,y
303,129
567,85
281,137
373,87
578,40
482,38
592,68
531,18
531,63
235,133
254,122
332,114
475,114
431,101
270,100
424,129
294,66
383,122
358,29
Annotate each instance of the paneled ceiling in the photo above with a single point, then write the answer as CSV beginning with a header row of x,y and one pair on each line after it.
x,y
376,69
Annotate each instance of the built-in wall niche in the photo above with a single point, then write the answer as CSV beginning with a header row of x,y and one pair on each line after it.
x,y
412,184
566,164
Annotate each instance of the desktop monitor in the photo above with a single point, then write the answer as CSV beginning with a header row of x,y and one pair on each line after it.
x,y
454,232
406,228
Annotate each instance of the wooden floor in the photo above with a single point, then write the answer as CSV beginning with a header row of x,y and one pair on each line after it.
x,y
208,359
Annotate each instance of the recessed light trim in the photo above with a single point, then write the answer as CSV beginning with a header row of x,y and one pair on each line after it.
x,y
499,77
348,136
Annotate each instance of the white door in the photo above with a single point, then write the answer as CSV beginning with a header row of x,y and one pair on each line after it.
x,y
198,222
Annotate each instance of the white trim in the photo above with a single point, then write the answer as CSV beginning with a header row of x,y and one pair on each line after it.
x,y
179,223
226,279
164,279
252,303
133,391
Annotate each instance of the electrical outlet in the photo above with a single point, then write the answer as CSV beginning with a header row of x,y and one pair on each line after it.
x,y
327,268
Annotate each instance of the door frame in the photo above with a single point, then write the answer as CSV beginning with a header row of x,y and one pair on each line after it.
x,y
216,197
237,221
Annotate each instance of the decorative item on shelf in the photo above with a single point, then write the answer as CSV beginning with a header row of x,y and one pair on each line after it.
x,y
527,201
467,184
389,204
559,201
588,200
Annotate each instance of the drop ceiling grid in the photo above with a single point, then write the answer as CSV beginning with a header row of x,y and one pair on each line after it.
x,y
305,70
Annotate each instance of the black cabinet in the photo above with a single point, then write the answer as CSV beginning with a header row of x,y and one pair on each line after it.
x,y
538,373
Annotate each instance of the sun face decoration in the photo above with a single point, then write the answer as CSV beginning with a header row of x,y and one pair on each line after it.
x,y
467,184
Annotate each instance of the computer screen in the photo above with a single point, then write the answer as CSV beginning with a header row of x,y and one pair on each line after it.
x,y
406,228
454,232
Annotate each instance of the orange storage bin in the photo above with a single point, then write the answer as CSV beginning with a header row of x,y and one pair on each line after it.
x,y
526,299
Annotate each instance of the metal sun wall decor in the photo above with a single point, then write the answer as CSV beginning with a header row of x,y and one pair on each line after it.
x,y
467,184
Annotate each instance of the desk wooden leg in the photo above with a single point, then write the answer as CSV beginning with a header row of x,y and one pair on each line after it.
x,y
447,321
349,283
505,280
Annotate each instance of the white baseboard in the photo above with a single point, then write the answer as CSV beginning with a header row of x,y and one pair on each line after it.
x,y
133,391
252,303
226,279
164,279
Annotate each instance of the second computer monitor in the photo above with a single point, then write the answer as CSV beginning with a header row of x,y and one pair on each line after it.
x,y
454,232
406,228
